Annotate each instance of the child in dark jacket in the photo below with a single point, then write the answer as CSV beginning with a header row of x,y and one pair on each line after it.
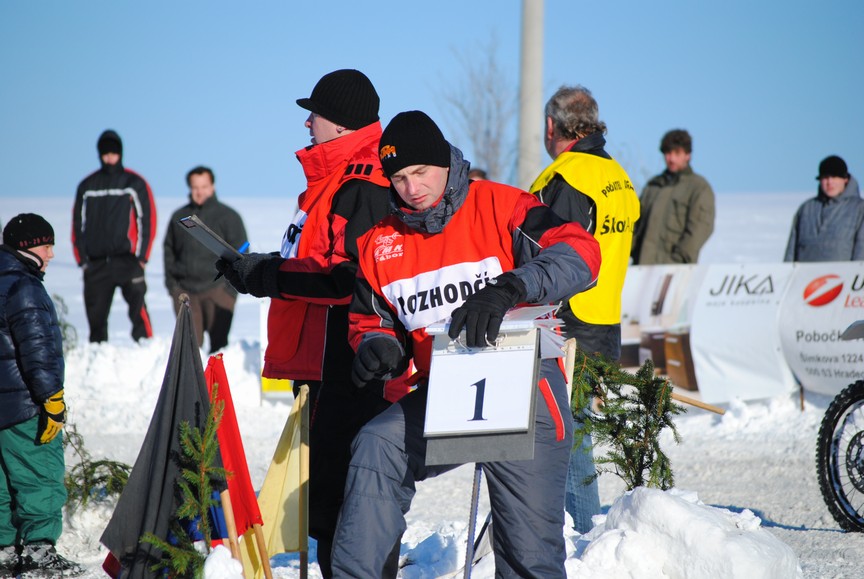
x,y
32,410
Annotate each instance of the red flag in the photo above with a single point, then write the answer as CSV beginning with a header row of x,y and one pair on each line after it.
x,y
243,502
111,566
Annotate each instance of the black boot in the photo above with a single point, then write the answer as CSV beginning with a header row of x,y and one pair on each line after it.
x,y
41,561
8,562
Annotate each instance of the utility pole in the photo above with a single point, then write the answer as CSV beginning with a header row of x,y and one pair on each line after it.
x,y
530,93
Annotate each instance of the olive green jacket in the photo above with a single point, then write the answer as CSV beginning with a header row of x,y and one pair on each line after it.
x,y
677,219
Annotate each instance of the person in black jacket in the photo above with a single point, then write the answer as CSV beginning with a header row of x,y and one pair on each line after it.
x,y
113,228
32,410
189,264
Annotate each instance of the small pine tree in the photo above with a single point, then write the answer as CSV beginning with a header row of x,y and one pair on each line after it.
x,y
197,474
633,411
91,479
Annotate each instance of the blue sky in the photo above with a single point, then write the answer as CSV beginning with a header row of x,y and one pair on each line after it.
x,y
767,88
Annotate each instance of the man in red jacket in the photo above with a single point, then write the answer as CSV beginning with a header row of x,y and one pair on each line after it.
x,y
473,250
312,281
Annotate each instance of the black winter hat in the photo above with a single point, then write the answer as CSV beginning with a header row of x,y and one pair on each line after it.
x,y
28,230
412,138
345,97
109,142
833,166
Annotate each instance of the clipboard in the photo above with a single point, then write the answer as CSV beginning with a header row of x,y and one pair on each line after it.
x,y
209,238
480,404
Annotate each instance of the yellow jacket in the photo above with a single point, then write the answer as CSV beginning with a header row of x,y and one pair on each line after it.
x,y
606,183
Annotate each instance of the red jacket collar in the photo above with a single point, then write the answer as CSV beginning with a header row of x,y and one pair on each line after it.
x,y
320,161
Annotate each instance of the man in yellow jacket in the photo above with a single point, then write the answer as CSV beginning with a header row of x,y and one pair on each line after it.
x,y
586,185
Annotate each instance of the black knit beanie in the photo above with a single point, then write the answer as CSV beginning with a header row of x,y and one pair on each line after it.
x,y
28,230
833,166
412,138
345,97
109,142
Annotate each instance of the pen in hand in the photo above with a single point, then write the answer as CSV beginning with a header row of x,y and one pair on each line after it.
x,y
241,249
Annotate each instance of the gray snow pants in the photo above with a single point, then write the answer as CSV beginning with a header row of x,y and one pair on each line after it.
x,y
527,497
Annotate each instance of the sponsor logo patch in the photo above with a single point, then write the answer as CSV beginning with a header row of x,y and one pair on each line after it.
x,y
823,290
388,246
387,151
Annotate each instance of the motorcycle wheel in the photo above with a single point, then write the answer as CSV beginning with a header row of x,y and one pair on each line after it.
x,y
840,458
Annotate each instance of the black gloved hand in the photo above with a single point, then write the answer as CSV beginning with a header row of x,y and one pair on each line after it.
x,y
378,358
482,313
255,274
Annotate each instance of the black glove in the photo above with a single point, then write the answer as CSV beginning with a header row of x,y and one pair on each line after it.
x,y
482,313
256,274
378,358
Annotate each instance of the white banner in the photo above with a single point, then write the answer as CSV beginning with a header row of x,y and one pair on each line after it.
x,y
821,301
657,297
733,336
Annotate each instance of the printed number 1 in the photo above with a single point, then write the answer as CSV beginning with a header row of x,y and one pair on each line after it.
x,y
478,400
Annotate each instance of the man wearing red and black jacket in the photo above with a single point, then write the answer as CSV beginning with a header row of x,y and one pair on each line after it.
x,y
113,228
312,281
470,250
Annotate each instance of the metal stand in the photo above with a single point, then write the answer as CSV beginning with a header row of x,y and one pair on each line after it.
x,y
472,520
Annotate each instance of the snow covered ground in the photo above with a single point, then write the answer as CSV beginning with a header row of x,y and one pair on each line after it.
x,y
747,502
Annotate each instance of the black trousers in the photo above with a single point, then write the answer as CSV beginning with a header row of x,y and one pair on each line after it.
x,y
101,278
337,412
593,338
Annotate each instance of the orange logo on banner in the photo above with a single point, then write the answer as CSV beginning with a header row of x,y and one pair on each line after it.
x,y
823,290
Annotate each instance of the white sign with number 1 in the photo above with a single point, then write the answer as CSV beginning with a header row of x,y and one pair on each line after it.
x,y
481,391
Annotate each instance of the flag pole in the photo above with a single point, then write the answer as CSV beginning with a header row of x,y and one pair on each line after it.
x,y
228,513
304,480
262,550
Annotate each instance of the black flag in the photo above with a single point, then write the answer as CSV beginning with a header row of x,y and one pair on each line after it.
x,y
151,497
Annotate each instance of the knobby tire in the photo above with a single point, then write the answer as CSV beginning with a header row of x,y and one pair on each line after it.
x,y
840,458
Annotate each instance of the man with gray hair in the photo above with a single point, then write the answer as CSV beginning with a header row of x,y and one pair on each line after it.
x,y
586,185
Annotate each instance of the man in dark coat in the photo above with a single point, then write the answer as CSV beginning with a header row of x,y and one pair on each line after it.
x,y
677,208
113,228
189,264
830,226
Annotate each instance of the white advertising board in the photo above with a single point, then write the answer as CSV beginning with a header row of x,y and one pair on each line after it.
x,y
733,336
821,301
656,297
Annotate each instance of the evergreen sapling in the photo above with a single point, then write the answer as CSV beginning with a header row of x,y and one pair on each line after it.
x,y
181,556
632,411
